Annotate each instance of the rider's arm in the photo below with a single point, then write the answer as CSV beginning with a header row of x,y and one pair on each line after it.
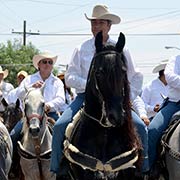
x,y
134,76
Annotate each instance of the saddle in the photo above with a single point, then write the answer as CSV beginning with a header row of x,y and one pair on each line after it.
x,y
74,155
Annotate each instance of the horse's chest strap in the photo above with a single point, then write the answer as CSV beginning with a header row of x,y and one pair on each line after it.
x,y
120,162
28,155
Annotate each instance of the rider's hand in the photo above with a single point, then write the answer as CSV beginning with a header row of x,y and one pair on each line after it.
x,y
145,120
156,108
38,84
47,108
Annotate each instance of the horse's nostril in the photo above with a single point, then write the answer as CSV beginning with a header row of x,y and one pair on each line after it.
x,y
34,130
111,117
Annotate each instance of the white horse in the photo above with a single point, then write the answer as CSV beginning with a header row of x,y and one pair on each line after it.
x,y
35,147
171,143
6,150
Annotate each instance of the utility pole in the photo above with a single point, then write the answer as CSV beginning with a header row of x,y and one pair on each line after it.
x,y
25,33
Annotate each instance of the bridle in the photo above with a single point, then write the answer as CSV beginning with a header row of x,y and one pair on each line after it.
x,y
34,115
100,96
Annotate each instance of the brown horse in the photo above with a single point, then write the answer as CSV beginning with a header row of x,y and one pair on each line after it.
x,y
12,113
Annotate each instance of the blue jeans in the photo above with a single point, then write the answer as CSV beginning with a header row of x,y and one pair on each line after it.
x,y
59,131
16,131
143,134
66,118
157,126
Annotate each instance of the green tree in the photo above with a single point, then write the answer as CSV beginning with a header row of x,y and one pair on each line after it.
x,y
16,57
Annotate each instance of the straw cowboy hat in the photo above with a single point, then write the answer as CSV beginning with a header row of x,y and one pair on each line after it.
x,y
61,74
45,55
161,66
5,72
23,73
102,12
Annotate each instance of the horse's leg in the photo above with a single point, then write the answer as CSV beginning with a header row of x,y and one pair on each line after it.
x,y
3,175
2,170
15,167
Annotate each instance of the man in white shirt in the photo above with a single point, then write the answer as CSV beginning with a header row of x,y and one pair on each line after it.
x,y
5,87
154,92
76,77
161,120
12,96
53,90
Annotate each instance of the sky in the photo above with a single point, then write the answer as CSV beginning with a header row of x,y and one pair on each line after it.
x,y
149,26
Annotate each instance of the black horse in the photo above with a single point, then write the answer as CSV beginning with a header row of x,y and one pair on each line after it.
x,y
101,142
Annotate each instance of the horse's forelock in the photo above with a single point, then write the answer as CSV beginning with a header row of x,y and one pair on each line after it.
x,y
110,68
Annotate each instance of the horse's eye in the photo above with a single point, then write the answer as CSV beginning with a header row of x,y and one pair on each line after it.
x,y
100,72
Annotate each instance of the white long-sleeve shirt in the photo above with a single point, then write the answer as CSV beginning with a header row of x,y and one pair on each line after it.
x,y
77,72
152,95
53,91
172,75
139,107
5,89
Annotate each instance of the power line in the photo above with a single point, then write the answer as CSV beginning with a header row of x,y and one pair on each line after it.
x,y
88,34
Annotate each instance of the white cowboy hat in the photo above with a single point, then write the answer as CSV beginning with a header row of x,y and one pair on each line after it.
x,y
5,72
23,73
161,66
45,55
61,73
102,12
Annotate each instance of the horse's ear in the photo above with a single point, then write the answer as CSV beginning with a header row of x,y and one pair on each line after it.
x,y
4,102
17,103
121,42
99,42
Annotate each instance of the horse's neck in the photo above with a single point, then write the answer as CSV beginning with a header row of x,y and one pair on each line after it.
x,y
174,139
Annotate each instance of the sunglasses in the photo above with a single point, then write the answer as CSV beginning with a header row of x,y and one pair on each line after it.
x,y
45,62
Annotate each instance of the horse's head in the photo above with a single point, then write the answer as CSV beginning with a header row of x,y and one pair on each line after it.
x,y
107,82
12,113
34,110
